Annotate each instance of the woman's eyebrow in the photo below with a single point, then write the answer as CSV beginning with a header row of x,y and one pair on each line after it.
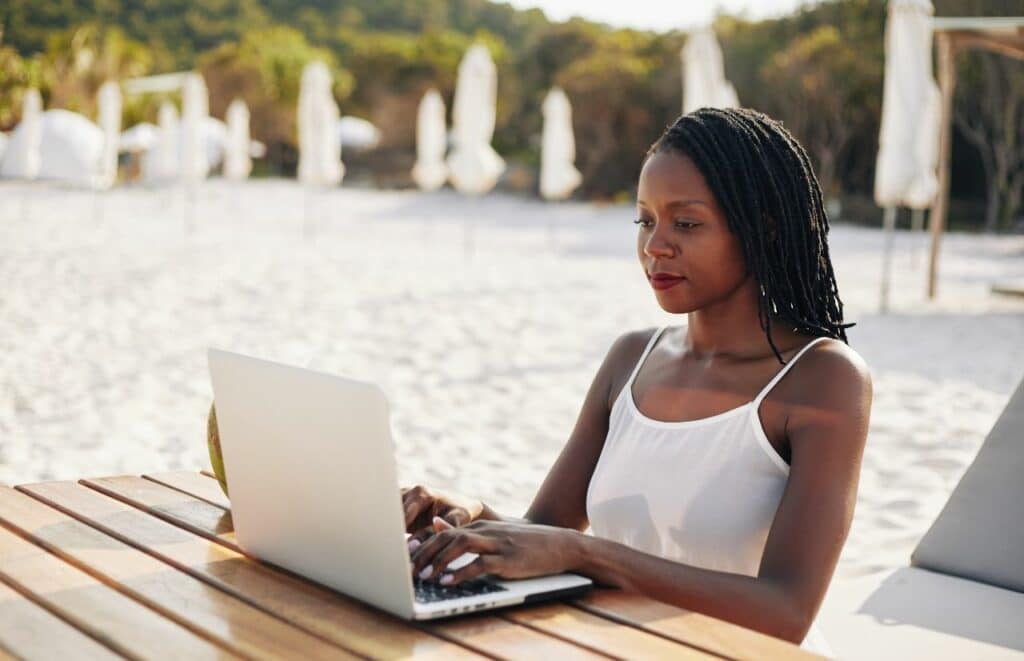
x,y
679,203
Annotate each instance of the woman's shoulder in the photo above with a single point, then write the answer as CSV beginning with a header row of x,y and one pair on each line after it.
x,y
832,372
623,356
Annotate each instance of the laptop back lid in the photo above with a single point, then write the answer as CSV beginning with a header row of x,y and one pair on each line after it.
x,y
311,471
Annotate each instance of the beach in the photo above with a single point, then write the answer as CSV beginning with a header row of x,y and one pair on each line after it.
x,y
483,319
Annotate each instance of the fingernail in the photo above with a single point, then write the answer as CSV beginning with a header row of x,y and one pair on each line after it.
x,y
413,544
427,571
447,579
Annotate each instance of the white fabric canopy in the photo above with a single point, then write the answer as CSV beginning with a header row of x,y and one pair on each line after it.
x,y
319,138
430,171
357,133
22,158
3,145
474,166
141,137
110,123
558,175
908,142
161,162
704,82
237,163
194,163
69,148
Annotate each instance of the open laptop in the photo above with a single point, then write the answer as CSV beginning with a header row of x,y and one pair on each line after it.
x,y
314,489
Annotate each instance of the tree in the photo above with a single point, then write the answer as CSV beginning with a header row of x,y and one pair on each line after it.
x,y
814,83
988,112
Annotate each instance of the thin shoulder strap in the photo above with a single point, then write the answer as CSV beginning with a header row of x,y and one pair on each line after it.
x,y
785,368
643,356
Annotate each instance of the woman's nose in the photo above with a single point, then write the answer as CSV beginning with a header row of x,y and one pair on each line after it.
x,y
657,246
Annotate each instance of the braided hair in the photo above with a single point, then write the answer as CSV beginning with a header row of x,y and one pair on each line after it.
x,y
763,180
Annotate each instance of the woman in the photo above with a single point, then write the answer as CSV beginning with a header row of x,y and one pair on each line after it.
x,y
716,462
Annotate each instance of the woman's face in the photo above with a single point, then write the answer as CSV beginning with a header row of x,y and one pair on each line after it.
x,y
688,254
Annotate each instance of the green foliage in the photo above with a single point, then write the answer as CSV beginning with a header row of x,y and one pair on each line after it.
x,y
818,69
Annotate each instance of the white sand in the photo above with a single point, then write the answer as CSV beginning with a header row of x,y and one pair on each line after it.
x,y
108,304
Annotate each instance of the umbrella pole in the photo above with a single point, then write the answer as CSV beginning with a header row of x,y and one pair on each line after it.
x,y
890,230
916,225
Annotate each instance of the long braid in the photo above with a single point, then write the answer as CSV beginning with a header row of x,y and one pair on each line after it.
x,y
764,181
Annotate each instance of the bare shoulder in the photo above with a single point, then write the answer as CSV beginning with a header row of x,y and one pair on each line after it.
x,y
622,358
832,377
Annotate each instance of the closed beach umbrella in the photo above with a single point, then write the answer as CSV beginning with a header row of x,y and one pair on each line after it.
x,y
194,163
430,171
319,138
21,159
110,123
558,174
237,163
906,170
704,82
474,166
3,145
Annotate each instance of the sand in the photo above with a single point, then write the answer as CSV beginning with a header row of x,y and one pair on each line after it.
x,y
484,320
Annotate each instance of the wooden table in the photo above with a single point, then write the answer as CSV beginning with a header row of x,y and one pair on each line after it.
x,y
149,567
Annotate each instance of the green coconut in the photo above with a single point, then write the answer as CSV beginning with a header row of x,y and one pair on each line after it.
x,y
213,443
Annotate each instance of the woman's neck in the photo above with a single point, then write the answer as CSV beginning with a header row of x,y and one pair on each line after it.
x,y
731,327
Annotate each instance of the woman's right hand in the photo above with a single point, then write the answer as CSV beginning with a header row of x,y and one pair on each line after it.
x,y
422,504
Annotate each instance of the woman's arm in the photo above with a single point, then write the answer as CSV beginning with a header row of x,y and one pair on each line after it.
x,y
826,429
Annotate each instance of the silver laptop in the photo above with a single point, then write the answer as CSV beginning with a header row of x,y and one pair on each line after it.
x,y
311,471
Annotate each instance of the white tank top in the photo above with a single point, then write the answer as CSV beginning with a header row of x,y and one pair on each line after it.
x,y
701,492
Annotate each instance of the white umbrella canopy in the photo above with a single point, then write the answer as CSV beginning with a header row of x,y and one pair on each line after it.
x,y
357,133
139,138
110,123
194,163
3,145
474,166
319,138
22,158
558,174
68,147
161,162
237,163
430,171
704,82
908,141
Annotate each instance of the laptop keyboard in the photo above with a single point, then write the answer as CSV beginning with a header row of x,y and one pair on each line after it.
x,y
431,591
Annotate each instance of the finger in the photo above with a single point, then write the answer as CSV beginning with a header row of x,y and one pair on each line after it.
x,y
482,566
425,552
464,543
457,517
415,503
440,525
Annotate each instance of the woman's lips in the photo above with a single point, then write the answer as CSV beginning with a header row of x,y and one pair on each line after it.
x,y
665,282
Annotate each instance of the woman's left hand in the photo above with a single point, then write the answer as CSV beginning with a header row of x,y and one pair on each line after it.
x,y
508,550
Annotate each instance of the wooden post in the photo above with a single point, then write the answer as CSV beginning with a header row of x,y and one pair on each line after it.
x,y
947,79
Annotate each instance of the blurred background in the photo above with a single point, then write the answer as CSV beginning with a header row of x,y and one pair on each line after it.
x,y
818,67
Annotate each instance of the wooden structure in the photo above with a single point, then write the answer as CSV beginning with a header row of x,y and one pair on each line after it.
x,y
1003,35
148,567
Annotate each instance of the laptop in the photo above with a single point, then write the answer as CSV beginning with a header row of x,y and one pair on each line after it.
x,y
314,489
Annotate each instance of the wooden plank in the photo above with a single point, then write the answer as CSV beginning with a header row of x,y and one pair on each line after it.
x,y
695,629
122,624
29,631
601,634
211,613
337,618
193,483
486,633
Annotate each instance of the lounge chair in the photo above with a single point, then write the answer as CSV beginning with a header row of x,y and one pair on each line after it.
x,y
962,597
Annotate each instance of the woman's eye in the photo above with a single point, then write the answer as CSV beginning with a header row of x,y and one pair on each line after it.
x,y
642,222
685,224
